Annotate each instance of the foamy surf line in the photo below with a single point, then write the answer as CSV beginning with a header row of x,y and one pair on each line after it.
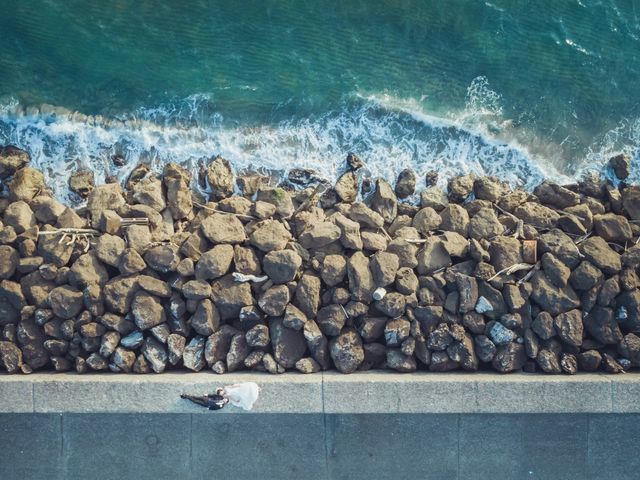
x,y
388,137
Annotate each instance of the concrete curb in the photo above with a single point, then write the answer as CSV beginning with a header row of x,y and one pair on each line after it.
x,y
329,392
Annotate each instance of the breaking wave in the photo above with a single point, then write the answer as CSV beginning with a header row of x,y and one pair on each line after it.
x,y
389,134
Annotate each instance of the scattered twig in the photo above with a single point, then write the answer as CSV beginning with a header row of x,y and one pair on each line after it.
x,y
512,269
528,275
582,238
70,231
74,234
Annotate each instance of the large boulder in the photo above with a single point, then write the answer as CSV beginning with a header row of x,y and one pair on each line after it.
x,y
612,227
384,201
274,300
88,270
631,201
307,297
509,358
347,187
220,178
562,247
223,228
9,260
19,216
485,224
361,283
426,220
320,235
109,248
65,301
104,197
206,319
601,325
555,195
552,299
455,219
432,256
569,327
599,253
347,351
384,266
214,263
10,357
230,296
26,184
12,159
505,252
289,345
406,183
334,269
281,265
162,258
270,235
149,192
147,310
537,215
177,180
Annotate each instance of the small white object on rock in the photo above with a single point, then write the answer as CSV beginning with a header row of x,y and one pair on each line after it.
x,y
483,305
241,277
379,293
622,314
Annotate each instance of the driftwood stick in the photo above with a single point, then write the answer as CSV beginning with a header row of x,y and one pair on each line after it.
x,y
512,269
70,231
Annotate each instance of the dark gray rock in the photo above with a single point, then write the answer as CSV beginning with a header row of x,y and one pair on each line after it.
x,y
274,300
206,319
147,311
289,345
601,325
156,354
223,228
509,358
596,251
347,351
281,265
551,298
193,355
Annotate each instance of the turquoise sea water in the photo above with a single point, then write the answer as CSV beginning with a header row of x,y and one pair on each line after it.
x,y
524,90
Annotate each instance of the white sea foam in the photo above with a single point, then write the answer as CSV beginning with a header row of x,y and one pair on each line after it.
x,y
389,134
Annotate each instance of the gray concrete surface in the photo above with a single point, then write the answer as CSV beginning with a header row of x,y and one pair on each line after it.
x,y
316,446
331,393
372,425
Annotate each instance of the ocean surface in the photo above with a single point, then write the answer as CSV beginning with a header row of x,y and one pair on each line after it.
x,y
521,90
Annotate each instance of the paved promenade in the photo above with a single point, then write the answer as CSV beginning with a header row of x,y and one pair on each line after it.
x,y
330,426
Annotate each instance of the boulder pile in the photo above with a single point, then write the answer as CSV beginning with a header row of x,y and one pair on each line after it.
x,y
477,276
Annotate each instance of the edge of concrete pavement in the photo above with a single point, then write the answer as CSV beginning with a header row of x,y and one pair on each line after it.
x,y
328,392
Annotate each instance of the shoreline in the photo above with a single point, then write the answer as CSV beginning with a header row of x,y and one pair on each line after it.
x,y
154,277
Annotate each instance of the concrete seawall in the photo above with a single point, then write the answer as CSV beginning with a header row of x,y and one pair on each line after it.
x,y
326,426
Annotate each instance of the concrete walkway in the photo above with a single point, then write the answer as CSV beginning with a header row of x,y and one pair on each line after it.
x,y
365,392
371,425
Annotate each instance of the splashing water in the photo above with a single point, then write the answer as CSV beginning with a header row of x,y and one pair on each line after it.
x,y
388,133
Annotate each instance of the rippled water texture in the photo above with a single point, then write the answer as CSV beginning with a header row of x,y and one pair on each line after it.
x,y
524,90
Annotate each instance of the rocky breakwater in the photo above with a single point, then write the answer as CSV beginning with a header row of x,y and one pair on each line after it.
x,y
478,276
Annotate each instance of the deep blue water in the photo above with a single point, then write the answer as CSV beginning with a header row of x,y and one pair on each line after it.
x,y
524,90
